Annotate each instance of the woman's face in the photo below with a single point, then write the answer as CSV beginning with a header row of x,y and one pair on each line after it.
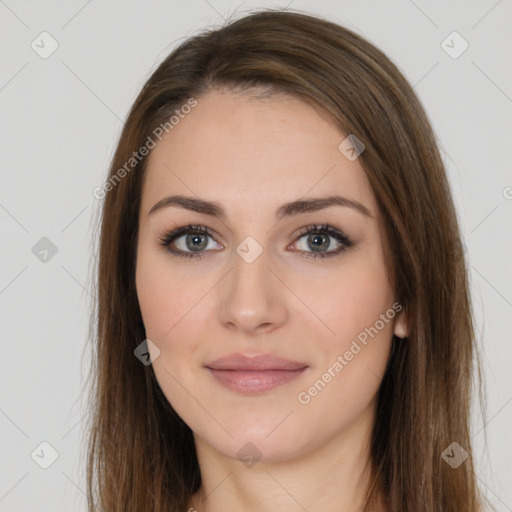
x,y
252,286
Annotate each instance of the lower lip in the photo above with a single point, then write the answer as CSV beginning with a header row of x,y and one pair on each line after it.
x,y
253,382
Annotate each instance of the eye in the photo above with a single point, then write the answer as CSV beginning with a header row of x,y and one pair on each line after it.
x,y
195,241
318,238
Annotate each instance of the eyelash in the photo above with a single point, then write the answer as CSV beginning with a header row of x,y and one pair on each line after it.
x,y
167,238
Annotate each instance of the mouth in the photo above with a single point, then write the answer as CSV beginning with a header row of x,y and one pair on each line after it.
x,y
254,375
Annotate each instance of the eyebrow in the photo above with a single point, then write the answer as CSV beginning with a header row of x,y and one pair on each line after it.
x,y
298,207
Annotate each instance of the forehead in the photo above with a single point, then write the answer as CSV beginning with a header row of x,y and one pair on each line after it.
x,y
247,153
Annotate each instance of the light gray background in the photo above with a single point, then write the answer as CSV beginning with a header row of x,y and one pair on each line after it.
x,y
60,120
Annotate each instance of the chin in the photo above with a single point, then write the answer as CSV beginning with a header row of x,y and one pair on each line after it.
x,y
277,443
251,450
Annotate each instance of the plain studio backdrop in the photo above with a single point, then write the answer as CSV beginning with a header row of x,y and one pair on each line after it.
x,y
69,73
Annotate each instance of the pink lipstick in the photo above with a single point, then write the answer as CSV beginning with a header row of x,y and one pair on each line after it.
x,y
256,374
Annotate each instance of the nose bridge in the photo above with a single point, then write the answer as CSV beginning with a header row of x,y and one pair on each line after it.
x,y
250,263
250,294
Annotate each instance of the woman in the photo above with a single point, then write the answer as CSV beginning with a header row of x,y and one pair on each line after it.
x,y
284,318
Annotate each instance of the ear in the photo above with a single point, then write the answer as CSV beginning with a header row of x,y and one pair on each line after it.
x,y
400,326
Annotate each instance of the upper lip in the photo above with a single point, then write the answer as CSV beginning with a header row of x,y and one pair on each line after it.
x,y
255,362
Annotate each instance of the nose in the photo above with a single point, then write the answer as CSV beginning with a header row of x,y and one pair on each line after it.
x,y
253,298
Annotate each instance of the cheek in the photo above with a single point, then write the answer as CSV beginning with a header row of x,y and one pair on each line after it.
x,y
171,310
359,305
164,295
349,299
354,359
175,309
356,306
152,293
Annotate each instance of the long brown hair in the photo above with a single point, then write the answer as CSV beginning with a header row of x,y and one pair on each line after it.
x,y
141,455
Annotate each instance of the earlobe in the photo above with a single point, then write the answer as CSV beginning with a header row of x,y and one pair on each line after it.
x,y
400,327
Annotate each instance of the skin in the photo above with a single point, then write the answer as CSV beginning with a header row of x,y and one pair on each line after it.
x,y
251,156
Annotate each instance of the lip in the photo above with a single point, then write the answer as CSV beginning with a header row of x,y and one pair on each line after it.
x,y
254,374
255,362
